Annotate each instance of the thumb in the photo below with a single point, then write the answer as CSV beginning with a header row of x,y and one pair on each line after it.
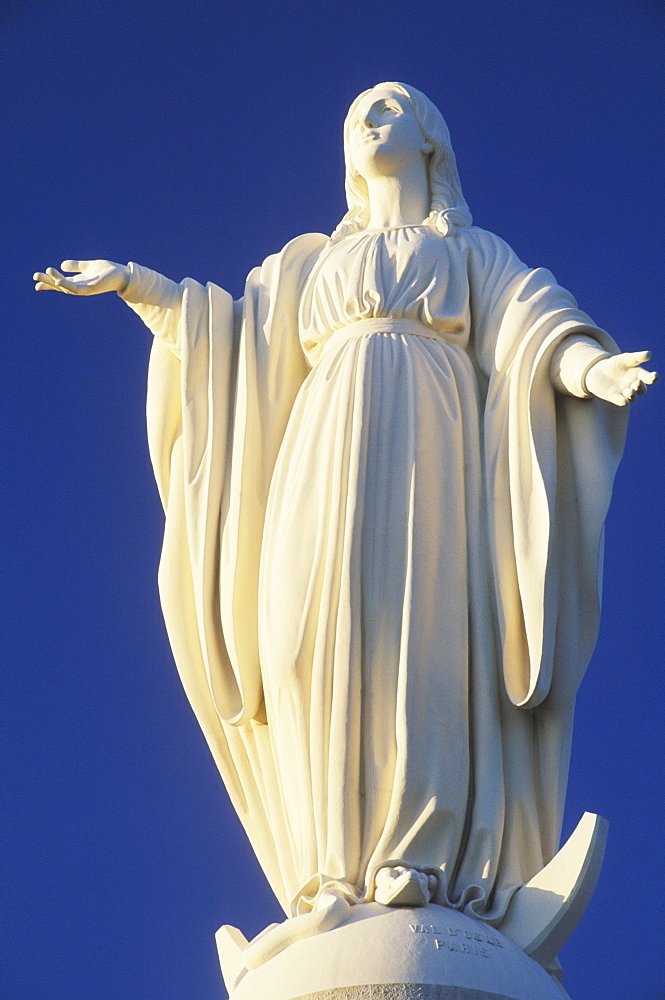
x,y
636,358
74,265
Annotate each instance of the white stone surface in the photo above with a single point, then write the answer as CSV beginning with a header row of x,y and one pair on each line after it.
x,y
390,946
544,913
385,473
540,918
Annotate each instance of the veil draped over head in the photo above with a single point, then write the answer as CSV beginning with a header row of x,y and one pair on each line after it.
x,y
448,207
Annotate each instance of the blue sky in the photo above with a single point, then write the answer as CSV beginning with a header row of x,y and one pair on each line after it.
x,y
197,138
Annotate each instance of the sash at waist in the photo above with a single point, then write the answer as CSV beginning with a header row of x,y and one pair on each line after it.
x,y
387,325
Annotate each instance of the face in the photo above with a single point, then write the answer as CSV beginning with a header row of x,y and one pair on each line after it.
x,y
384,135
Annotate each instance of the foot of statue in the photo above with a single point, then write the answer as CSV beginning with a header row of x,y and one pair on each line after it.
x,y
403,887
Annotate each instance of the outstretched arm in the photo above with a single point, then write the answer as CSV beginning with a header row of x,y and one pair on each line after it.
x,y
156,299
93,278
580,367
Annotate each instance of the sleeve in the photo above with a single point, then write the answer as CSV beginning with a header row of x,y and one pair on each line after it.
x,y
502,285
158,301
570,363
550,460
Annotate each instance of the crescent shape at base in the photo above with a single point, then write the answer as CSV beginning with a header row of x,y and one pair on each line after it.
x,y
544,912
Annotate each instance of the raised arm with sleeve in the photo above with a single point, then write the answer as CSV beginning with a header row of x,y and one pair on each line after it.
x,y
551,455
158,301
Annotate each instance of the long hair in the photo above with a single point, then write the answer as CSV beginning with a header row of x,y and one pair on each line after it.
x,y
448,209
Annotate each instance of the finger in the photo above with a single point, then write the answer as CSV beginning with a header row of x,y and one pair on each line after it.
x,y
619,399
639,387
74,265
43,286
53,272
636,358
644,375
45,278
69,285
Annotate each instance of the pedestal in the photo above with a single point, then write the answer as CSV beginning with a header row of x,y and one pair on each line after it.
x,y
393,953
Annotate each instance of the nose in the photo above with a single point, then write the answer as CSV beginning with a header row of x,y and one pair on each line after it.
x,y
368,121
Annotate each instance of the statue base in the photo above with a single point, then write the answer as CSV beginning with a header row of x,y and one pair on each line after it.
x,y
404,991
400,953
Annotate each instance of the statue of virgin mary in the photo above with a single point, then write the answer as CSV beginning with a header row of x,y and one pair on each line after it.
x,y
385,472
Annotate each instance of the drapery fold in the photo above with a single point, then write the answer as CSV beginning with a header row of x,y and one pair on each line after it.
x,y
217,419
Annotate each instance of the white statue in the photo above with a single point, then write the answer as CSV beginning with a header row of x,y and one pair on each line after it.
x,y
385,473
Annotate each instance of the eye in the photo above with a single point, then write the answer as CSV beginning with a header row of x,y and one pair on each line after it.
x,y
392,106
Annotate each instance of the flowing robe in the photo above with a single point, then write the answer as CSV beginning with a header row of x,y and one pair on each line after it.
x,y
381,563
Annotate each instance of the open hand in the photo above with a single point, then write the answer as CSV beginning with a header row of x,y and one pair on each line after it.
x,y
93,278
619,379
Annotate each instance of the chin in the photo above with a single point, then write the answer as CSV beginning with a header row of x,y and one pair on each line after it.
x,y
376,160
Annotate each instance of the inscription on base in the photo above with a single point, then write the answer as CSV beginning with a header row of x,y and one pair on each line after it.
x,y
459,940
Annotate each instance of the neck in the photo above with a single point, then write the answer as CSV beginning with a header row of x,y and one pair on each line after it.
x,y
399,199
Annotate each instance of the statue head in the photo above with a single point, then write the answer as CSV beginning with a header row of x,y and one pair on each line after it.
x,y
448,209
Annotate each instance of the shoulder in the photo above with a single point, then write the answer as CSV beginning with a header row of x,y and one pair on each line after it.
x,y
481,241
296,258
487,251
282,274
299,250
